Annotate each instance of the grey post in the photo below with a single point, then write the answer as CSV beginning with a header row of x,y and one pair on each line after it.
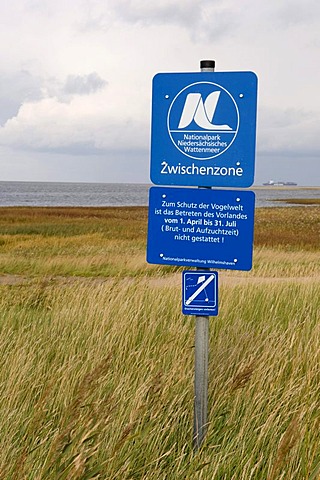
x,y
201,354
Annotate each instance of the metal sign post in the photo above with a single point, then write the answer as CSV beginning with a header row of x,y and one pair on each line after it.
x,y
201,381
201,354
203,131
200,297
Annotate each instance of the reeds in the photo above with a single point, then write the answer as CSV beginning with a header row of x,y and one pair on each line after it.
x,y
96,372
96,379
108,242
292,229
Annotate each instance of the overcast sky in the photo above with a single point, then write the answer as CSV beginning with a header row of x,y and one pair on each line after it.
x,y
76,75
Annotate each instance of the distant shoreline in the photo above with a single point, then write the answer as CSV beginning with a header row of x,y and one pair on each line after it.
x,y
95,195
283,187
273,187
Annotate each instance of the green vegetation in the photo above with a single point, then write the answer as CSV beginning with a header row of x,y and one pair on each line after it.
x,y
110,242
296,228
299,201
96,372
73,241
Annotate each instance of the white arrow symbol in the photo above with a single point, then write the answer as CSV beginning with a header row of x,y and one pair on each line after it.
x,y
202,287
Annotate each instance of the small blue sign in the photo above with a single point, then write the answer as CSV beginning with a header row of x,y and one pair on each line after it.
x,y
200,293
203,129
201,227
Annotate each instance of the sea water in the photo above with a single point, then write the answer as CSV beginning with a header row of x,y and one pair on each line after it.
x,y
52,194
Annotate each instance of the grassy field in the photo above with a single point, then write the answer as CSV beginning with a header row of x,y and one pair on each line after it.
x,y
96,374
300,201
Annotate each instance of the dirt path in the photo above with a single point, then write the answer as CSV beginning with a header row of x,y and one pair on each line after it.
x,y
232,280
13,279
173,280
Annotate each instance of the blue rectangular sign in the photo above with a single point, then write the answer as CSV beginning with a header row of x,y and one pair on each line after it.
x,y
201,227
203,129
200,293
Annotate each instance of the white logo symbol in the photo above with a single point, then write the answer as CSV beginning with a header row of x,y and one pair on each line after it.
x,y
200,112
203,120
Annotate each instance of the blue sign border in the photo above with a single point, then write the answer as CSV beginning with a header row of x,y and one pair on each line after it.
x,y
190,304
234,166
201,227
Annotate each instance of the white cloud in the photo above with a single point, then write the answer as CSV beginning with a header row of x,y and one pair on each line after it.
x,y
77,77
82,124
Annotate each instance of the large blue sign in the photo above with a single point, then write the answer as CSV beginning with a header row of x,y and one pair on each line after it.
x,y
203,130
201,227
200,293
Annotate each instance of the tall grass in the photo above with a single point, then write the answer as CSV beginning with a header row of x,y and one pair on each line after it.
x,y
296,228
97,382
96,359
111,242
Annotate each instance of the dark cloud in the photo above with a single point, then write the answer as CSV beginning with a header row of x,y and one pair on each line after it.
x,y
84,84
149,13
15,89
292,131
297,13
202,19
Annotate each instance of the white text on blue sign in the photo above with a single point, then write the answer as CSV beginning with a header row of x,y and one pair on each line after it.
x,y
201,227
203,129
